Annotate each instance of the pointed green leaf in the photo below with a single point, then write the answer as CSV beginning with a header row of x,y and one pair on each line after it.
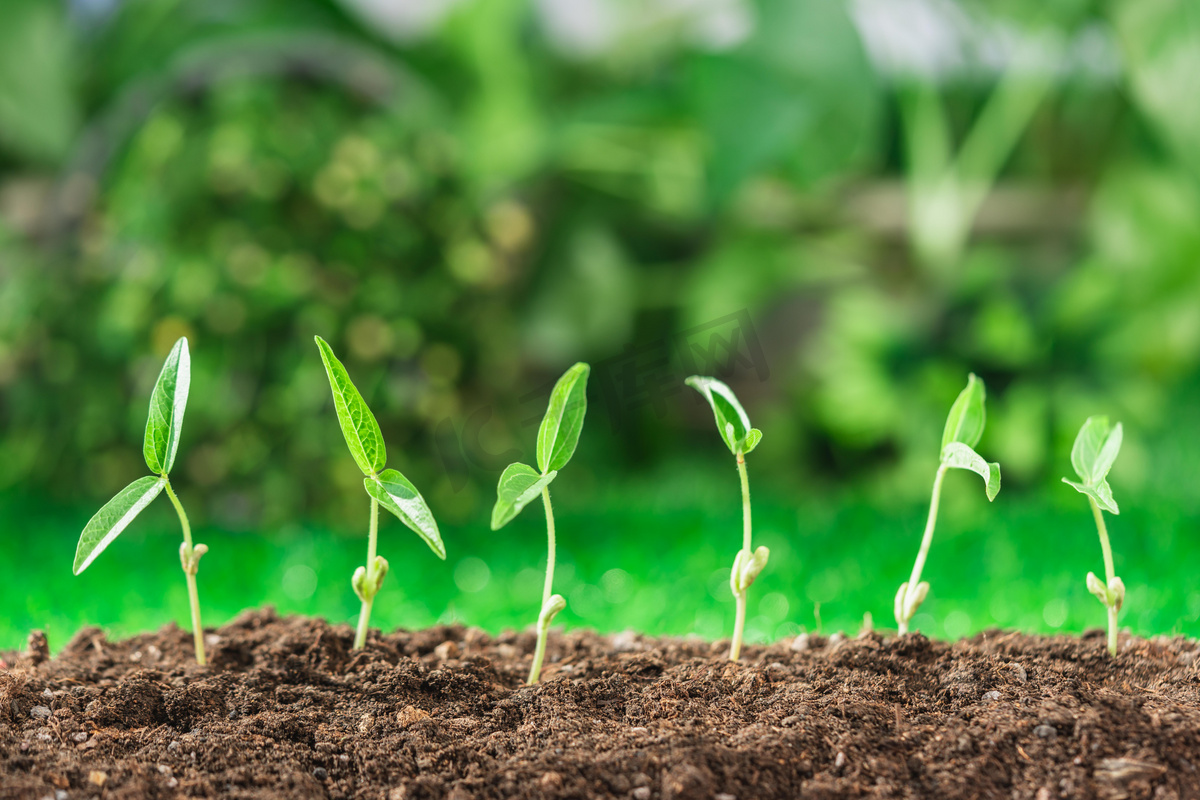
x,y
1101,493
167,404
967,416
519,484
397,494
958,456
1096,449
359,426
560,429
732,422
113,518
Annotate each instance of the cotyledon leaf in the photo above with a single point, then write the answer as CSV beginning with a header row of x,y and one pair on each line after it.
x,y
397,494
519,484
359,426
560,428
168,401
114,517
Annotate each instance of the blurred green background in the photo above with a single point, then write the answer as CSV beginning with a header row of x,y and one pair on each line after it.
x,y
842,208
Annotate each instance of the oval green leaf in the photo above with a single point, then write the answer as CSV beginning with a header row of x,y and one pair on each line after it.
x,y
1100,492
397,494
732,422
359,425
1095,449
958,456
114,517
560,429
967,416
519,484
168,401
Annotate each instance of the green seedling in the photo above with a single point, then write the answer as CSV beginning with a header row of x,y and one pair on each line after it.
x,y
163,426
385,487
520,484
964,427
1095,450
740,438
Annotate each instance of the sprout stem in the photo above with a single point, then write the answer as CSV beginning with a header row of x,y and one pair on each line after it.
x,y
914,581
535,669
364,616
739,621
1110,573
189,573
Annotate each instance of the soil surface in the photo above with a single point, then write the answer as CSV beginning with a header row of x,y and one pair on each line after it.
x,y
286,710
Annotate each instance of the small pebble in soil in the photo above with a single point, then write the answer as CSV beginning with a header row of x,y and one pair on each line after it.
x,y
788,722
640,793
624,642
837,638
840,761
320,773
446,651
1045,732
639,730
991,697
343,758
97,778
234,714
80,737
39,712
1018,671
173,746
61,794
724,796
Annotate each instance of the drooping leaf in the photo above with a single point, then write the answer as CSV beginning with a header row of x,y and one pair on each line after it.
x,y
168,401
752,440
1095,450
519,484
359,426
1100,492
397,494
967,416
958,456
732,422
560,429
113,518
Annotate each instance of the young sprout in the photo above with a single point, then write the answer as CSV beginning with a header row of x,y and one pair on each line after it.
x,y
740,438
964,427
1095,450
386,487
520,484
163,426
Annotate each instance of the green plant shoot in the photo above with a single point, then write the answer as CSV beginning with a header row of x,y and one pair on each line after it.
x,y
385,487
740,438
164,424
520,484
1095,450
964,428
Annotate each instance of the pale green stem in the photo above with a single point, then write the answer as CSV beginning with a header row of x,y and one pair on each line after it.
x,y
926,540
739,620
539,653
364,616
190,575
1110,573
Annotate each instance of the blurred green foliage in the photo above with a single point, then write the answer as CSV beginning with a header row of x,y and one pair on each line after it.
x,y
468,206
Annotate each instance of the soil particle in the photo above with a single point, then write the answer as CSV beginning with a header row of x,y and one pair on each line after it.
x,y
287,710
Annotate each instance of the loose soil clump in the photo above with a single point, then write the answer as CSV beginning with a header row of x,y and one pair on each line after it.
x,y
287,710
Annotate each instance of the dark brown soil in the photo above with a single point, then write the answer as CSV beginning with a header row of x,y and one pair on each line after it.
x,y
286,710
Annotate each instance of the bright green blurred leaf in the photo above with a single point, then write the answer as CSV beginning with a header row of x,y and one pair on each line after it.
x,y
732,422
1095,449
39,112
967,416
958,456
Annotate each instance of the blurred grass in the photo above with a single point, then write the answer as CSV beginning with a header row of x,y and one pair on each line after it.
x,y
651,555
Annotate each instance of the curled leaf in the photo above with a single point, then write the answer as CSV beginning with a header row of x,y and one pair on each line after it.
x,y
168,401
559,432
732,422
959,456
967,416
519,484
